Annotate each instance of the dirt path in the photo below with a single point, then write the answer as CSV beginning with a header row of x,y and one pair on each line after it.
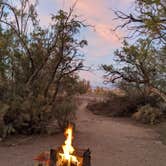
x,y
112,142
119,142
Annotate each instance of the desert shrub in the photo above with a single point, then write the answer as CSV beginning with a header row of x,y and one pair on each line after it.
x,y
24,116
64,113
148,114
97,107
33,116
4,129
116,106
121,105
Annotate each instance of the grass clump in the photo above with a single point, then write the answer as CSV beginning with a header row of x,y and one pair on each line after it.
x,y
148,115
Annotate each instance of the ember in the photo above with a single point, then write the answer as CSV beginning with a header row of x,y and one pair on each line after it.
x,y
66,155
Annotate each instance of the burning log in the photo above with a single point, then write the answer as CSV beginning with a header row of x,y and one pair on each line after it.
x,y
66,155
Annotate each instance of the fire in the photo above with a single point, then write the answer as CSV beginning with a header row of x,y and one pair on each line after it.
x,y
67,156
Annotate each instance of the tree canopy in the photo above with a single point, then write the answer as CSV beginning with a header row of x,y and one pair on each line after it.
x,y
35,60
38,66
148,19
142,64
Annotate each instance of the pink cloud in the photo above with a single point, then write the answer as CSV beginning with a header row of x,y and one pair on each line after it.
x,y
98,14
101,41
106,32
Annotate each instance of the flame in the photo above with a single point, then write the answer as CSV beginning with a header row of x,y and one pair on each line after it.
x,y
68,149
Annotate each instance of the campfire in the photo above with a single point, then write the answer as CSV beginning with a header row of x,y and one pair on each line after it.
x,y
66,155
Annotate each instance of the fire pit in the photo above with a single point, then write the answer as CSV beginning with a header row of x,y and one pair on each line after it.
x,y
66,155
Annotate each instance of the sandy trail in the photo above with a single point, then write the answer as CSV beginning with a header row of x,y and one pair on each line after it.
x,y
112,142
119,142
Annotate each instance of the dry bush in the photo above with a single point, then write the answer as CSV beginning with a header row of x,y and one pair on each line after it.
x,y
148,114
117,106
33,116
121,105
3,128
64,113
24,116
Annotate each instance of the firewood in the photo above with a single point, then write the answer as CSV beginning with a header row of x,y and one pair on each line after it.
x,y
87,158
53,158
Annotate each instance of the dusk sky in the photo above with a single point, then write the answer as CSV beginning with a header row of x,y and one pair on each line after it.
x,y
102,42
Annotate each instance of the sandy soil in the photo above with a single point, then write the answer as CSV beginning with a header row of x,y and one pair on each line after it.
x,y
113,142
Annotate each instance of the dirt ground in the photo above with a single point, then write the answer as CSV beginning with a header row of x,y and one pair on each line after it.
x,y
113,142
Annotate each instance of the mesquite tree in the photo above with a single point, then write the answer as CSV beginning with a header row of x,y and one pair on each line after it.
x,y
142,64
148,18
35,62
45,55
139,66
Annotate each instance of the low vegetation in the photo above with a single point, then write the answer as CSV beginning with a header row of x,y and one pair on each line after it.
x,y
64,112
130,104
148,115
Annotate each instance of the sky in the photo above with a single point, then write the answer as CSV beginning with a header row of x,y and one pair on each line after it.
x,y
102,41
